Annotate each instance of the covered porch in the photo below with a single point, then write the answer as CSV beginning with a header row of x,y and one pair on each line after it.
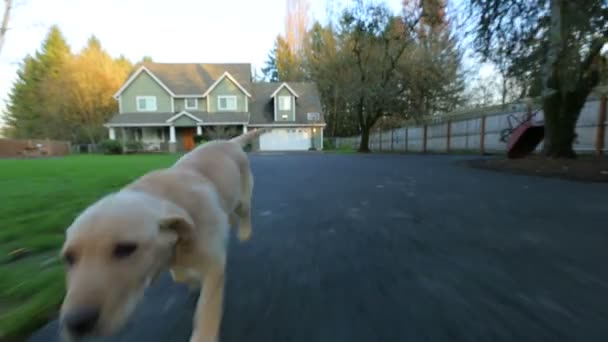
x,y
165,132
173,138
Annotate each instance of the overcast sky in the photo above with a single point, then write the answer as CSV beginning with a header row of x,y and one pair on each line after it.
x,y
179,31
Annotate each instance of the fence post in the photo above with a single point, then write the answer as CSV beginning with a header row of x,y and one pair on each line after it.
x,y
482,138
392,140
601,126
448,136
407,138
424,139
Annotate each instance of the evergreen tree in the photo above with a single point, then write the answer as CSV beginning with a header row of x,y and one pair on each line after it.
x,y
27,107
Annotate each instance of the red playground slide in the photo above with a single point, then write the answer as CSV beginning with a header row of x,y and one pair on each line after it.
x,y
524,138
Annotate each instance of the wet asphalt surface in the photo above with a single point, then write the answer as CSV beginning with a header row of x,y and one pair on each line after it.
x,y
402,248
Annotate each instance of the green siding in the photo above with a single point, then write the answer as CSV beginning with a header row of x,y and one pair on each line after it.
x,y
291,114
184,121
227,87
180,104
144,85
317,141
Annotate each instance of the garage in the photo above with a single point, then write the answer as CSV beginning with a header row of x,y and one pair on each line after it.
x,y
285,139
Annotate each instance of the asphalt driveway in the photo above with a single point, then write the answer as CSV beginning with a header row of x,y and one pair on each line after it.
x,y
403,248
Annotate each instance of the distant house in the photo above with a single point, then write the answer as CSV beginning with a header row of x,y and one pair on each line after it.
x,y
166,105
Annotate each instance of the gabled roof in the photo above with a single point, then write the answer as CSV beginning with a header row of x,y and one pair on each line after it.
x,y
262,109
284,85
134,77
192,79
182,113
226,75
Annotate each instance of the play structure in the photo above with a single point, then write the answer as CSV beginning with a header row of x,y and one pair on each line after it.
x,y
523,135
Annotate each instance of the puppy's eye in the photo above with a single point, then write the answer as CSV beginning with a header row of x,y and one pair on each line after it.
x,y
69,258
124,249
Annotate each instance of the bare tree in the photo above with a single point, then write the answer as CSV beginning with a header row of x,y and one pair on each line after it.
x,y
296,24
5,18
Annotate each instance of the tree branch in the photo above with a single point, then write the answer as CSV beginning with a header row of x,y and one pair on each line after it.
x,y
4,25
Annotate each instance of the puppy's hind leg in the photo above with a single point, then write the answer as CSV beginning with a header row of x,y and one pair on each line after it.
x,y
243,210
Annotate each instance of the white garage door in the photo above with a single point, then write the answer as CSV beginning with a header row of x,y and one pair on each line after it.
x,y
285,139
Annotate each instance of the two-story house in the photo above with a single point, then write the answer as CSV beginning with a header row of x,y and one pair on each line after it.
x,y
165,105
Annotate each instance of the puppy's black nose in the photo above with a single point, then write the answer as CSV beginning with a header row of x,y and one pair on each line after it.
x,y
82,321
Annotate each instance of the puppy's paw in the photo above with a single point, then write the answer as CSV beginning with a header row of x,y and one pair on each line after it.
x,y
244,233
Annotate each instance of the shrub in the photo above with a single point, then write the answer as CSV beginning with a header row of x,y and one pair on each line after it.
x,y
111,146
134,146
199,139
329,144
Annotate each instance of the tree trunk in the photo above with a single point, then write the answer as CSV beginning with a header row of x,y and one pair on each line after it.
x,y
561,115
364,145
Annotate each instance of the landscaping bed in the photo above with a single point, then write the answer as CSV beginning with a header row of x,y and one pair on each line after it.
x,y
585,168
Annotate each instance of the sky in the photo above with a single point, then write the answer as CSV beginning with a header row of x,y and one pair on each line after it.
x,y
177,31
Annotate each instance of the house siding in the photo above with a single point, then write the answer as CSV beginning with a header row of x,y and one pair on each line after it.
x,y
180,104
144,85
291,114
227,87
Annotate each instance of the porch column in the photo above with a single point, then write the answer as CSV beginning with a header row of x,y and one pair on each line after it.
x,y
112,133
199,130
244,128
172,134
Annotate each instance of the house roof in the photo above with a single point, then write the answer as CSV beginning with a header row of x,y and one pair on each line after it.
x,y
197,78
284,85
160,119
262,106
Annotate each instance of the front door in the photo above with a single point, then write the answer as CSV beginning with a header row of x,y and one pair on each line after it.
x,y
189,138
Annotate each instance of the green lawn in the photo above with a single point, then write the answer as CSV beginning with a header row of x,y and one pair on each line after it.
x,y
38,200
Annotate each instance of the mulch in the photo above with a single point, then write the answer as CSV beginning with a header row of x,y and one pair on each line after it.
x,y
584,168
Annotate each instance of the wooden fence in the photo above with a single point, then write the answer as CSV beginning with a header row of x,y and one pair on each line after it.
x,y
14,148
480,130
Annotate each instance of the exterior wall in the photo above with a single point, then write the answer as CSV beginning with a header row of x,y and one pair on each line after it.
x,y
144,85
180,104
317,138
151,139
291,114
227,87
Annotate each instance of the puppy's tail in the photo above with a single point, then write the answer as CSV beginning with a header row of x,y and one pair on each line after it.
x,y
248,137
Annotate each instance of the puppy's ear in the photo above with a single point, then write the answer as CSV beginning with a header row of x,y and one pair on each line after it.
x,y
176,230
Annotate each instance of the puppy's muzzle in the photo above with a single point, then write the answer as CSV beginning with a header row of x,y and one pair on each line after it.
x,y
82,321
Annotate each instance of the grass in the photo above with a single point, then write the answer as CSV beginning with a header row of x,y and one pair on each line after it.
x,y
341,150
39,199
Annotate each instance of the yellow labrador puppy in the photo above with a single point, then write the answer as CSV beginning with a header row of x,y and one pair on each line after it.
x,y
177,219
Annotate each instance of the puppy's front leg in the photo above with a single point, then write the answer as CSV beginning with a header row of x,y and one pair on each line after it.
x,y
209,308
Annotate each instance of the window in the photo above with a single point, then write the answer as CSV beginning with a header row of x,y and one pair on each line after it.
x,y
146,103
191,103
226,102
284,102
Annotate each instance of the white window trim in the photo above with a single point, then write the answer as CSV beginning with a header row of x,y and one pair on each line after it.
x,y
233,97
281,99
137,98
186,103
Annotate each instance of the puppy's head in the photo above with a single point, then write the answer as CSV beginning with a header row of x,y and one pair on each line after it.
x,y
112,252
